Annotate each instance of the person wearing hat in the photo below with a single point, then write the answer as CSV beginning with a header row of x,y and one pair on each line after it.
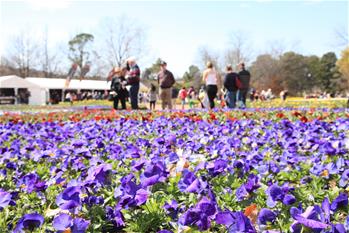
x,y
118,88
166,81
244,77
133,79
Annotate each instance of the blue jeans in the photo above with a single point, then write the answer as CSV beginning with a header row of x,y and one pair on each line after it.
x,y
231,99
134,95
242,96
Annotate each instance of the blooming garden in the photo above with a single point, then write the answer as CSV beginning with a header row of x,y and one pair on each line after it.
x,y
257,170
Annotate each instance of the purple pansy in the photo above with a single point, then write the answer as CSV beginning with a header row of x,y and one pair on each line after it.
x,y
217,167
29,222
190,183
171,208
265,216
201,215
5,199
100,174
344,178
235,222
311,218
62,222
154,173
129,193
69,198
340,202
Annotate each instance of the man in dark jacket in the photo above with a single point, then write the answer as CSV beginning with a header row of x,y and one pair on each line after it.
x,y
230,86
133,79
165,81
244,77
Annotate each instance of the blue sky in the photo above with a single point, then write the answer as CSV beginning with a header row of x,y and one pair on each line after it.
x,y
176,29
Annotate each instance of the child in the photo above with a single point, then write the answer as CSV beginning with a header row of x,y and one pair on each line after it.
x,y
182,95
152,97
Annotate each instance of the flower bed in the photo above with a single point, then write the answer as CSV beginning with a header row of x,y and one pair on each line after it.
x,y
259,170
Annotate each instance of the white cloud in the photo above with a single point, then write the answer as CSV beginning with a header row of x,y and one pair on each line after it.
x,y
48,4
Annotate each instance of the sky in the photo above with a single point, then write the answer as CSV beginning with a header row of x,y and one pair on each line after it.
x,y
175,30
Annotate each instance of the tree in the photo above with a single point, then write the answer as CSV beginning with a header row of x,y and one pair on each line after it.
x,y
294,73
239,50
191,73
192,77
124,38
205,55
24,52
329,72
79,51
151,72
49,61
312,73
343,66
266,73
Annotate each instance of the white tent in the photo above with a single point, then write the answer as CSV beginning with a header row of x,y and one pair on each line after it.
x,y
75,84
59,84
15,82
40,87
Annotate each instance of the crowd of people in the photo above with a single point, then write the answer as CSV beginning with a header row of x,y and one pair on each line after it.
x,y
232,89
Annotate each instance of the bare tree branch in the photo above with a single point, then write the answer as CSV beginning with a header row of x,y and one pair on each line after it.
x,y
240,49
24,52
124,38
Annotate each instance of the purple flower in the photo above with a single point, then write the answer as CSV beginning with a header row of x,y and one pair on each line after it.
x,y
5,199
252,183
130,193
275,193
62,222
171,208
241,193
100,174
217,167
190,183
265,216
326,208
165,231
200,215
289,199
31,182
338,228
311,218
80,225
137,165
69,198
340,202
235,222
344,178
115,216
154,173
29,222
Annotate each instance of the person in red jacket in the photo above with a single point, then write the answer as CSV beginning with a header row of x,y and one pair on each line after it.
x,y
182,96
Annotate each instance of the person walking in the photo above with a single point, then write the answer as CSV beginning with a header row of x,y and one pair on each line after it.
x,y
244,76
152,97
133,79
166,81
230,81
212,81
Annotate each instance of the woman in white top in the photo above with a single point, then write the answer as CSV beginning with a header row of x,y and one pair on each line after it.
x,y
212,81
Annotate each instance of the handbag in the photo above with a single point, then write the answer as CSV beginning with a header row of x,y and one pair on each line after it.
x,y
238,83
